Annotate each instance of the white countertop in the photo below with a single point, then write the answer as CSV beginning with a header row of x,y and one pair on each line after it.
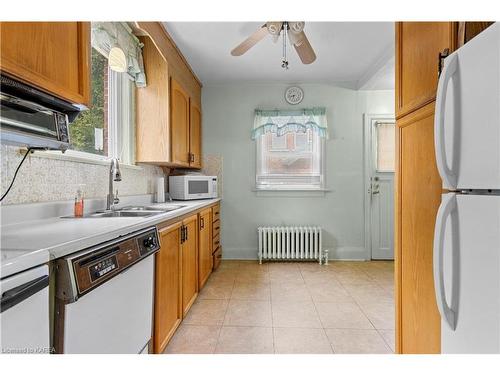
x,y
30,243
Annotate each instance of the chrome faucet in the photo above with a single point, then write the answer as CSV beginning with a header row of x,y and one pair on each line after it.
x,y
114,175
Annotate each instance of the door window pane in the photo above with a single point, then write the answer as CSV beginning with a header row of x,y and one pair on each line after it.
x,y
385,147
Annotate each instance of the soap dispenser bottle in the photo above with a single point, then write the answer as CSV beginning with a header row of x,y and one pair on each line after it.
x,y
79,203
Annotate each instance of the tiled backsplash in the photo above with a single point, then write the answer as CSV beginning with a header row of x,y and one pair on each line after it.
x,y
42,179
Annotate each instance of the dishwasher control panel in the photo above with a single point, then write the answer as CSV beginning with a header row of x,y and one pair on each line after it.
x,y
96,265
103,267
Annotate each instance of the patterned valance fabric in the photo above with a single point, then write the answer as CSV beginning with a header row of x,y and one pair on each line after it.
x,y
281,122
105,35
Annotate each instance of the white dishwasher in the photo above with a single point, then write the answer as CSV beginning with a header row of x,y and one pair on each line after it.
x,y
24,312
104,297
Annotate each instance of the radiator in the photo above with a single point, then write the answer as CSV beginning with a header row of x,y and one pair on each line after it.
x,y
290,243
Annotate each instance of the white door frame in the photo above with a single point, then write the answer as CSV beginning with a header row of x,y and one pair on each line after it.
x,y
368,120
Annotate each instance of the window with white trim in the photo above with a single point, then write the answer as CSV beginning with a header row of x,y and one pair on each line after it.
x,y
106,129
289,151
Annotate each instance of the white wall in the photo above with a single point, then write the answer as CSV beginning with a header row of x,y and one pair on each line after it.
x,y
227,123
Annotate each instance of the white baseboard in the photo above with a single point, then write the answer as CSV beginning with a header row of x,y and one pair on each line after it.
x,y
339,253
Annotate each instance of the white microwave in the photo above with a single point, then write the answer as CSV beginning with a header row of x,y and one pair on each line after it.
x,y
187,187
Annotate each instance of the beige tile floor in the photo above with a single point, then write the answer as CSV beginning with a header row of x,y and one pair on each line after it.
x,y
301,308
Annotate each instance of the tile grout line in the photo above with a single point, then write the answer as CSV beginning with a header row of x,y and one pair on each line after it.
x,y
272,315
224,318
367,317
364,313
385,341
319,317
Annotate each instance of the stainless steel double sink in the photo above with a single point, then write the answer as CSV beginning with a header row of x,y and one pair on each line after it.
x,y
132,211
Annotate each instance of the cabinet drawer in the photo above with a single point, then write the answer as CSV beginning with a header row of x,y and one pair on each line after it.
x,y
216,242
216,228
217,258
215,213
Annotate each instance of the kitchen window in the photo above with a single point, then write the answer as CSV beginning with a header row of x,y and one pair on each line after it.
x,y
106,129
290,149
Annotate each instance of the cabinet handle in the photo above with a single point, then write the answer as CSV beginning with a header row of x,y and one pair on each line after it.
x,y
182,235
442,56
202,223
187,233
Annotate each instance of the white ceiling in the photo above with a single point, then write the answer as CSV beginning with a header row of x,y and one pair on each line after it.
x,y
352,54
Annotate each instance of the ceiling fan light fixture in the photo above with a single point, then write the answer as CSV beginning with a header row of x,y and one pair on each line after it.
x,y
293,32
296,27
274,28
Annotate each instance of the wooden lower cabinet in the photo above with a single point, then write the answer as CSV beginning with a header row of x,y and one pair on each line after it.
x,y
182,267
205,262
216,246
418,322
189,252
168,307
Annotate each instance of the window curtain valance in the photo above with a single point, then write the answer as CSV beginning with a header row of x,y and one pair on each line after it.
x,y
285,121
105,35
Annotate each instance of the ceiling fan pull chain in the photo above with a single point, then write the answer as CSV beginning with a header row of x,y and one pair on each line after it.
x,y
284,63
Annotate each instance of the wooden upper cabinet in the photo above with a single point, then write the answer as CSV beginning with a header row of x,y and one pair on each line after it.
x,y
194,135
417,201
152,111
53,56
189,262
168,304
205,247
418,45
179,124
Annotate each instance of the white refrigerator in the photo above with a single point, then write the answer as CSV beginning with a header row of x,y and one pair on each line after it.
x,y
466,257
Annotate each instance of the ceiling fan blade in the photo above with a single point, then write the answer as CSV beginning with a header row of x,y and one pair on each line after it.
x,y
250,41
303,47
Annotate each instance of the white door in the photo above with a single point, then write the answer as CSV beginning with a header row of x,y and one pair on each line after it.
x,y
467,273
379,176
467,117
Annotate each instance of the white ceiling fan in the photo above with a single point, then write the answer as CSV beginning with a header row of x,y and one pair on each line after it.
x,y
294,31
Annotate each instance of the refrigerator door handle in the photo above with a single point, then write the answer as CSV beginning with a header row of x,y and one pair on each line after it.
x,y
450,67
448,204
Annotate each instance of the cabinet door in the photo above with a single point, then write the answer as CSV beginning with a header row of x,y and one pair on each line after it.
x,y
54,56
195,135
189,263
152,127
168,311
418,45
418,322
179,124
205,247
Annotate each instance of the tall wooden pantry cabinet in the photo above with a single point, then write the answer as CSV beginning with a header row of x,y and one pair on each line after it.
x,y
419,50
